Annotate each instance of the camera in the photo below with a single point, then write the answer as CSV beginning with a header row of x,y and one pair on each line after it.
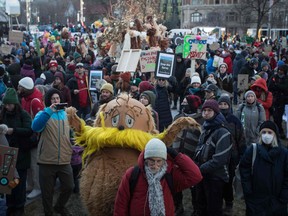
x,y
61,106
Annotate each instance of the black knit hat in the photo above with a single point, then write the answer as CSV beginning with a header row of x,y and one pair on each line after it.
x,y
225,98
49,94
212,104
270,125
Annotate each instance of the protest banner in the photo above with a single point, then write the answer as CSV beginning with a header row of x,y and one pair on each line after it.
x,y
148,60
128,60
16,37
195,47
5,49
8,158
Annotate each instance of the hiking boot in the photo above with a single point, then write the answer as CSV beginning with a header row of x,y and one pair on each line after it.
x,y
63,211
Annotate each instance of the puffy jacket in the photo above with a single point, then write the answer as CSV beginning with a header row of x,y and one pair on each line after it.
x,y
264,97
185,174
36,105
214,150
266,191
54,145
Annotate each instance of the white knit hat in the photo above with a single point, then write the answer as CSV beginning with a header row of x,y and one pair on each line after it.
x,y
195,79
26,83
155,148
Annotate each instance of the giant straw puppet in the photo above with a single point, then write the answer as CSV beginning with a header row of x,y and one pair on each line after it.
x,y
121,129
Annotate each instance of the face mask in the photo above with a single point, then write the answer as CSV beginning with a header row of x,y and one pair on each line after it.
x,y
281,76
267,138
225,111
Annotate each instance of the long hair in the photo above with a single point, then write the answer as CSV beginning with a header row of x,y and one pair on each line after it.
x,y
17,111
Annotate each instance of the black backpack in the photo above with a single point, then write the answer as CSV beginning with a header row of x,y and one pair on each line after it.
x,y
134,178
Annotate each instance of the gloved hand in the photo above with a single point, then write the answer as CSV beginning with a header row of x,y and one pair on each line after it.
x,y
3,129
13,183
172,152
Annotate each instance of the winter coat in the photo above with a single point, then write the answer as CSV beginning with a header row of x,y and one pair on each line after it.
x,y
72,84
162,107
279,88
266,190
228,60
20,138
246,69
28,71
201,70
238,63
214,149
36,105
225,82
54,145
185,174
251,120
265,98
180,70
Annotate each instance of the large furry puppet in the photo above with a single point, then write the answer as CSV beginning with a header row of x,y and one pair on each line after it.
x,y
121,130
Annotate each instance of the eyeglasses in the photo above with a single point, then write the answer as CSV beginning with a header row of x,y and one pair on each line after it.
x,y
151,161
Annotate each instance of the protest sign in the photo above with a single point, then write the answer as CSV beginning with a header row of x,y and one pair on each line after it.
x,y
195,47
5,49
148,60
165,65
16,37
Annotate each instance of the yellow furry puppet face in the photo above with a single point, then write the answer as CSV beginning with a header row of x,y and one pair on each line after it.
x,y
125,112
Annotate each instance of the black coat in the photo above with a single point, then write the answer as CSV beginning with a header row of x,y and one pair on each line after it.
x,y
266,190
162,107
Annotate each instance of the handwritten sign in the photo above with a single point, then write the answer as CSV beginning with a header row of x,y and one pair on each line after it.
x,y
5,49
148,60
243,80
195,47
8,158
16,37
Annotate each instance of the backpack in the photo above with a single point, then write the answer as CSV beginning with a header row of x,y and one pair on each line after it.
x,y
257,104
134,178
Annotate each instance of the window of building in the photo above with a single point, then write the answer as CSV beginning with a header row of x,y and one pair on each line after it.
x,y
217,1
196,17
235,1
195,2
229,1
231,16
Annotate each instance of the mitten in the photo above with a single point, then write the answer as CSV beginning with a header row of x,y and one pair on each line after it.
x,y
3,129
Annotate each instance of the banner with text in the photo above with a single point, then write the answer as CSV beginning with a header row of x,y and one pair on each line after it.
x,y
195,47
148,60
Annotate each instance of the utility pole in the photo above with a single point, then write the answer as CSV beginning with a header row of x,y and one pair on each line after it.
x,y
269,18
81,11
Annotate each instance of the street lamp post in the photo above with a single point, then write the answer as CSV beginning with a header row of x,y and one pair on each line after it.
x,y
28,13
81,10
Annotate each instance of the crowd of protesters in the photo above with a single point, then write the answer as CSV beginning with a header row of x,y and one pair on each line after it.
x,y
34,80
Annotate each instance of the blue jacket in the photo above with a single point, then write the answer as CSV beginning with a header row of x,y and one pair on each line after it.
x,y
266,190
54,145
209,66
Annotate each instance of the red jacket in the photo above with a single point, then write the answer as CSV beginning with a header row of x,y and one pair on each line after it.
x,y
227,59
185,174
36,106
264,97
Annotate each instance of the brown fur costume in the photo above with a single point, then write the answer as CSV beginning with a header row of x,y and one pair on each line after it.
x,y
122,128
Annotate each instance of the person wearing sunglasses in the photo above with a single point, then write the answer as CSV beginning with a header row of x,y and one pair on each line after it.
x,y
264,177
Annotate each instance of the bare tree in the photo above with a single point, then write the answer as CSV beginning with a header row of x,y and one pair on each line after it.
x,y
257,10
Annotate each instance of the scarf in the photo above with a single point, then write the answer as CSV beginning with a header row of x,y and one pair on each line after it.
x,y
155,192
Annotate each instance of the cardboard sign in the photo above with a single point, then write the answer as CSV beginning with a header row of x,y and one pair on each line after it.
x,y
5,49
284,42
148,60
195,47
243,81
217,61
8,158
165,65
16,37
128,60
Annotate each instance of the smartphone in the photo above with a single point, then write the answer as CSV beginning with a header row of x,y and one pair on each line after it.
x,y
61,106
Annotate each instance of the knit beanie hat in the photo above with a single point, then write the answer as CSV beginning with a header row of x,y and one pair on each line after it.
x,y
14,69
10,97
108,87
126,76
222,64
145,86
211,87
212,104
194,102
76,55
150,96
264,63
155,148
27,83
60,75
195,79
135,82
49,94
248,93
280,63
226,99
53,63
270,125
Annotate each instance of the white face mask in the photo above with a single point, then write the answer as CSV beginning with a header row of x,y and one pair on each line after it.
x,y
267,138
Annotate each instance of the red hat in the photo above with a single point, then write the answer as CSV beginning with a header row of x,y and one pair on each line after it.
x,y
193,101
126,76
53,63
271,54
71,67
212,104
145,86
